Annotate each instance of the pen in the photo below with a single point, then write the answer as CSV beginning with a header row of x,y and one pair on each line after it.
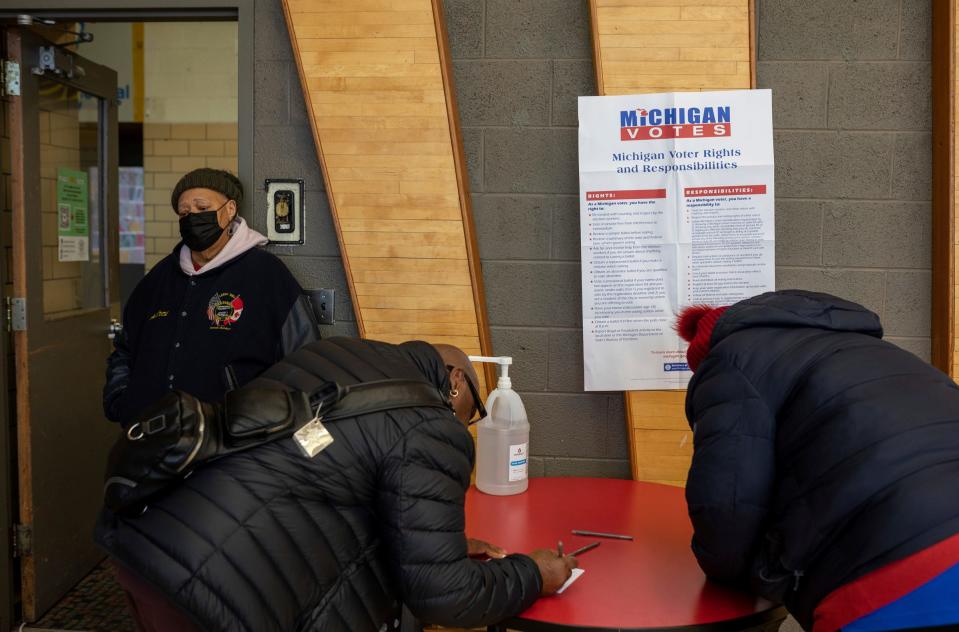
x,y
584,549
597,534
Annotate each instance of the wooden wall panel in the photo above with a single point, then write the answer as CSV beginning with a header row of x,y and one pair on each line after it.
x,y
947,166
944,176
643,46
377,80
945,113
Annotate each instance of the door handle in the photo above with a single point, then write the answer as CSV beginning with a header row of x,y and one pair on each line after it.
x,y
115,328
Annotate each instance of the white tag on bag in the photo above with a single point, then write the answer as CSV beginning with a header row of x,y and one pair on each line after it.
x,y
313,437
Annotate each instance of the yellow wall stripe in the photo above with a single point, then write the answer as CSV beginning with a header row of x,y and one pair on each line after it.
x,y
954,56
138,85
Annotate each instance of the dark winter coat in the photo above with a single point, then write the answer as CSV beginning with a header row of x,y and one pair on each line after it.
x,y
821,451
204,334
270,540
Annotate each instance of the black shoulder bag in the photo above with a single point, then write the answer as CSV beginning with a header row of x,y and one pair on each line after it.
x,y
179,433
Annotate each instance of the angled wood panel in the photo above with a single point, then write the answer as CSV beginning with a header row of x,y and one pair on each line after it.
x,y
644,46
377,81
945,326
945,181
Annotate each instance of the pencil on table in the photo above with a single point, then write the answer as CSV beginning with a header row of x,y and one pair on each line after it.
x,y
598,534
582,550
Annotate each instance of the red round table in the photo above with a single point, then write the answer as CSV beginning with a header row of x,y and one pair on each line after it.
x,y
650,583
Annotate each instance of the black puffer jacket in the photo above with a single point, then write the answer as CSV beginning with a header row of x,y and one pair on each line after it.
x,y
821,452
270,540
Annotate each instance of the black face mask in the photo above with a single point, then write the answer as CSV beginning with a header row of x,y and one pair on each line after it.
x,y
200,230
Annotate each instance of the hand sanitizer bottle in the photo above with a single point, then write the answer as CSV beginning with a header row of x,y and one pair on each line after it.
x,y
502,439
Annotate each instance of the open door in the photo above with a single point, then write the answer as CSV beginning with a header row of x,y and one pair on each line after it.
x,y
63,131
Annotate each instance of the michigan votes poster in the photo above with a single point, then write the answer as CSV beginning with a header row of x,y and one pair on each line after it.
x,y
676,209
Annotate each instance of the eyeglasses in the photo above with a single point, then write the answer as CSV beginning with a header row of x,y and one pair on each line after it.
x,y
477,400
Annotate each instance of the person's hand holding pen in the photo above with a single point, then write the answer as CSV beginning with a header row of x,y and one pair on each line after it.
x,y
554,567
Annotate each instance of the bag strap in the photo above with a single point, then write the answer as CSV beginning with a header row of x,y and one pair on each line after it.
x,y
377,396
330,402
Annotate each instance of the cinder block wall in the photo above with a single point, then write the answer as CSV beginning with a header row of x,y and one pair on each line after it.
x,y
184,60
851,89
852,147
283,147
170,151
518,67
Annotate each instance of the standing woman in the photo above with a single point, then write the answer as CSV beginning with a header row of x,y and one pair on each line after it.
x,y
211,315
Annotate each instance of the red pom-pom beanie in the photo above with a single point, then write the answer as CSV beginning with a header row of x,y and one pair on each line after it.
x,y
695,326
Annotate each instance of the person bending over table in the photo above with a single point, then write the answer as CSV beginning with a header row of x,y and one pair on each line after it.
x,y
267,539
825,463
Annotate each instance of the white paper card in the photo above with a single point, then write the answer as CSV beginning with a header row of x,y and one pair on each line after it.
x,y
576,575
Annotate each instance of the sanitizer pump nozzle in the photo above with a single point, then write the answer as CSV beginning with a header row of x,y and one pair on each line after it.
x,y
502,438
502,368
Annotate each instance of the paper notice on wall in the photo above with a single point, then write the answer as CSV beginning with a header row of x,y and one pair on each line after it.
x,y
73,220
676,209
132,225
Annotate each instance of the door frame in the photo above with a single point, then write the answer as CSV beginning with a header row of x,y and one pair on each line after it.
x,y
7,509
8,512
239,11
99,81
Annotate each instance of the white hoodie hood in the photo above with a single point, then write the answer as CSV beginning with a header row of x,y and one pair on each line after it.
x,y
242,238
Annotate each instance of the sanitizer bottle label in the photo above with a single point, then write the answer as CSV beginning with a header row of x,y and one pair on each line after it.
x,y
518,462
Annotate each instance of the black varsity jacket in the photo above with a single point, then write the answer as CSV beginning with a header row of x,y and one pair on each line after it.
x,y
204,334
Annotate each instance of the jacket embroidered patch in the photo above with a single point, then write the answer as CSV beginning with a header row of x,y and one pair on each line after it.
x,y
223,310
